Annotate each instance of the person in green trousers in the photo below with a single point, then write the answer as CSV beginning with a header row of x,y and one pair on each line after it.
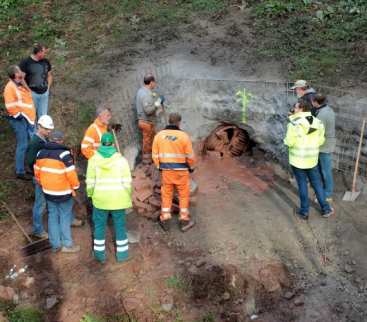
x,y
109,185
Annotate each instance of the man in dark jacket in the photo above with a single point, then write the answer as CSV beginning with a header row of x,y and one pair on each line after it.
x,y
327,116
304,91
38,142
55,172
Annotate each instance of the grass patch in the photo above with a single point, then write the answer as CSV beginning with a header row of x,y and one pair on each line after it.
x,y
25,314
176,282
318,39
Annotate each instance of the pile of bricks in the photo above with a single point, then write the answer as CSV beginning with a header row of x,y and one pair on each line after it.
x,y
147,193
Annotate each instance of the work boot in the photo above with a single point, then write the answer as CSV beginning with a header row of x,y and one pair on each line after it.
x,y
72,249
185,225
42,235
77,222
165,224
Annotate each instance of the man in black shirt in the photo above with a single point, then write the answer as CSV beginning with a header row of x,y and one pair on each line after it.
x,y
38,77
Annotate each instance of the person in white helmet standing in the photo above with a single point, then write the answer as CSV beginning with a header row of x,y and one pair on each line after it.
x,y
38,141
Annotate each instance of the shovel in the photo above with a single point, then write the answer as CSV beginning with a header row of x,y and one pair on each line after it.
x,y
353,195
33,247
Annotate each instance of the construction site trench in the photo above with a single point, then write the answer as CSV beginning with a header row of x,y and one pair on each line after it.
x,y
248,258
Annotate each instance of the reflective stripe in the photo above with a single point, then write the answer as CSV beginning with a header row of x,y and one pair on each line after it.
x,y
71,168
57,193
76,187
99,248
111,188
174,155
64,154
18,103
16,115
98,130
184,210
121,242
89,139
166,209
96,145
99,241
122,249
52,170
83,146
112,180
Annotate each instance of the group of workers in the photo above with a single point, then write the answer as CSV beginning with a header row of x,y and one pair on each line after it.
x,y
52,168
311,142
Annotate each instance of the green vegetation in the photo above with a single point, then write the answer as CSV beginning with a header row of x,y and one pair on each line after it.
x,y
319,39
25,314
177,283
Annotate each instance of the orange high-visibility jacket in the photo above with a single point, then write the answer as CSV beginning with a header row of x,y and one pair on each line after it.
x,y
18,101
55,172
92,138
172,150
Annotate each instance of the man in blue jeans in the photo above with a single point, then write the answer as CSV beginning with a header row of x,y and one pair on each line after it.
x,y
38,142
21,115
55,172
305,134
38,76
327,116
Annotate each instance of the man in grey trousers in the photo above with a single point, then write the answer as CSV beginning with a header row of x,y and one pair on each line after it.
x,y
327,116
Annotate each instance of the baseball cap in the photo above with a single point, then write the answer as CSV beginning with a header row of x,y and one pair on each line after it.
x,y
299,83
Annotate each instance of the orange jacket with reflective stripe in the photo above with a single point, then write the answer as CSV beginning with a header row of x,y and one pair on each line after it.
x,y
92,138
172,150
18,101
55,172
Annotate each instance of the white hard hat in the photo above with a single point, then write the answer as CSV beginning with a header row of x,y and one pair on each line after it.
x,y
46,122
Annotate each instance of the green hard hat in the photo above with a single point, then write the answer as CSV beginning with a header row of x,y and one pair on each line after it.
x,y
107,139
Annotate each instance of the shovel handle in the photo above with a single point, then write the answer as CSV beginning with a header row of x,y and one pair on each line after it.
x,y
116,141
16,221
358,156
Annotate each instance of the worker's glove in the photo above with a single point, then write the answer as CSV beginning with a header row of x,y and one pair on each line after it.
x,y
158,102
163,99
191,170
116,127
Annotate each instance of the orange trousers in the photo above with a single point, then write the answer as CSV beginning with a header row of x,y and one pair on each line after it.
x,y
171,179
148,130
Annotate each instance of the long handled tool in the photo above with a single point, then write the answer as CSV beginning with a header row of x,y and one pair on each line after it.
x,y
353,195
33,247
116,141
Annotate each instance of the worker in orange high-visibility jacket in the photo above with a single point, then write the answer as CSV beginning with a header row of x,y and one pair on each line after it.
x,y
93,135
173,155
21,115
55,172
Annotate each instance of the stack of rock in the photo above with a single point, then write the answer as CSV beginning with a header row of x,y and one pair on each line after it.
x,y
147,192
